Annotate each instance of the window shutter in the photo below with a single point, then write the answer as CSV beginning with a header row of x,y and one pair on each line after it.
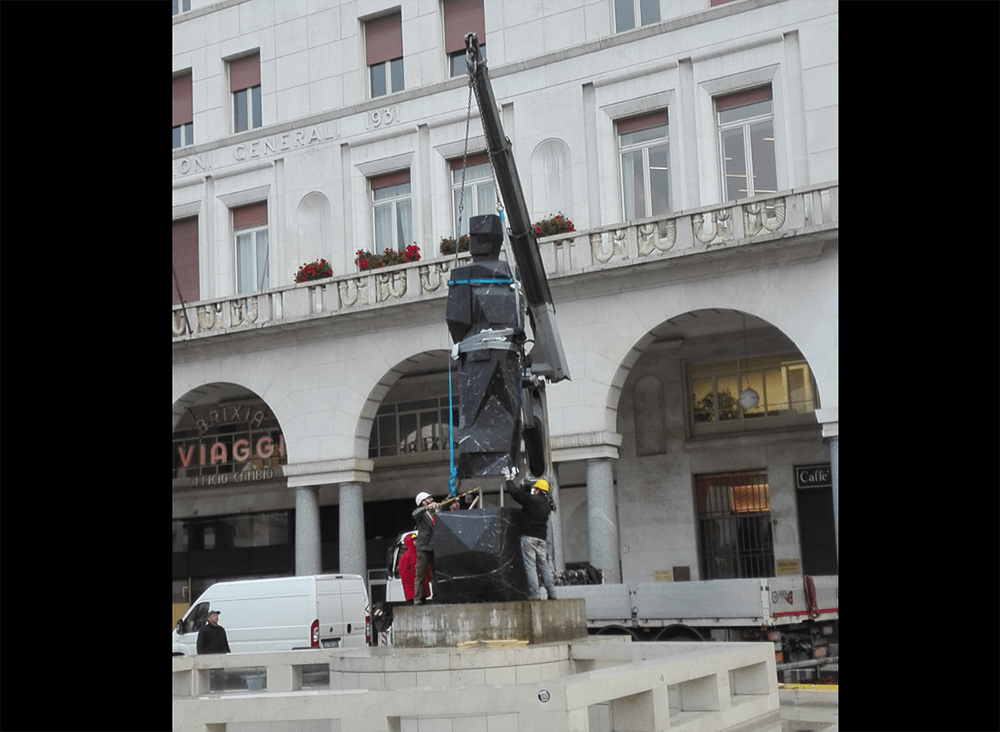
x,y
185,260
392,179
740,99
461,17
247,217
384,39
182,100
642,122
476,159
244,73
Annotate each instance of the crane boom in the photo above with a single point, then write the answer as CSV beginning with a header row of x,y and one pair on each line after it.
x,y
546,358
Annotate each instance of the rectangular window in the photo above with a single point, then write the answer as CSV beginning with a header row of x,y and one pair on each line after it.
x,y
479,196
734,525
384,54
244,85
461,17
391,210
250,230
409,427
746,143
644,148
182,112
783,384
181,6
185,260
631,14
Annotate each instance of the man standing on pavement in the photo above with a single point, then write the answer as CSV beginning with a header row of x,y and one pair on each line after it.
x,y
536,506
212,638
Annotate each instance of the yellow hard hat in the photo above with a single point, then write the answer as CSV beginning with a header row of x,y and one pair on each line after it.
x,y
541,484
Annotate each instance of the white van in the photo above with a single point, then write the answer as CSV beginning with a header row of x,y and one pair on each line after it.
x,y
281,614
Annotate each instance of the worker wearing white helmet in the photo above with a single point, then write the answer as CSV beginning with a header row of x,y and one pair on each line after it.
x,y
424,518
536,507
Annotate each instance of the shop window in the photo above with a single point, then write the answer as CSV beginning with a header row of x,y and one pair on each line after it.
x,y
644,150
734,525
240,437
631,14
384,54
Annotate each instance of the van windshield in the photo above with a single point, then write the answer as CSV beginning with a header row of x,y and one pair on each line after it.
x,y
196,618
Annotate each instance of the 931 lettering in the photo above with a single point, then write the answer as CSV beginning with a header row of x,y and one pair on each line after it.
x,y
382,117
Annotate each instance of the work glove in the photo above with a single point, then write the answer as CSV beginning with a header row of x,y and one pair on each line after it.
x,y
508,473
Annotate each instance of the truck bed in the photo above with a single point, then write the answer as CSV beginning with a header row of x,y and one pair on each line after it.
x,y
767,601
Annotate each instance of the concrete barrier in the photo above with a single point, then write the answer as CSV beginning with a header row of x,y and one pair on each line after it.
x,y
599,684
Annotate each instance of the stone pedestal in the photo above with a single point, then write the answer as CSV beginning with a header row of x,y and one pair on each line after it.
x,y
534,621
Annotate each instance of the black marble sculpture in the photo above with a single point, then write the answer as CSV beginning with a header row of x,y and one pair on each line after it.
x,y
477,557
485,321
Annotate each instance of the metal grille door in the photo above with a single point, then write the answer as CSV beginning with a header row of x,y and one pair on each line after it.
x,y
734,520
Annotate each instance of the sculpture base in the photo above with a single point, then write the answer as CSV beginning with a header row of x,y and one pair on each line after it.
x,y
534,621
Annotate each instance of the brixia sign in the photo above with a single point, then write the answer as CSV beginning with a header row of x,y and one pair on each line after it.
x,y
240,450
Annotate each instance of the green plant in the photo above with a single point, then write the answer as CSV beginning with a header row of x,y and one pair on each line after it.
x,y
367,260
314,271
557,224
448,244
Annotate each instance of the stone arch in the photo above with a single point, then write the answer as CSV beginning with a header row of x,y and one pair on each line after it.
x,y
429,367
224,429
714,322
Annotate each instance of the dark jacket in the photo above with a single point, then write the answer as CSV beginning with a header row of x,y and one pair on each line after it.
x,y
425,529
212,639
534,513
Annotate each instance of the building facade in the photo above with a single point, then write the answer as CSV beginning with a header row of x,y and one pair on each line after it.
x,y
693,145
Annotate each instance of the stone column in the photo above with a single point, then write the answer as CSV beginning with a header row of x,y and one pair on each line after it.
x,y
353,557
555,526
308,554
602,519
833,474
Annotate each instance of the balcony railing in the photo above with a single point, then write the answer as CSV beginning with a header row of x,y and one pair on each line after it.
x,y
785,215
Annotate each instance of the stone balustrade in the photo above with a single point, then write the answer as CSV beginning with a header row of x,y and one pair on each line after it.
x,y
728,225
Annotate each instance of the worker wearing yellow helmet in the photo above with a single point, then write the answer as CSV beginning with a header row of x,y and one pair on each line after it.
x,y
536,507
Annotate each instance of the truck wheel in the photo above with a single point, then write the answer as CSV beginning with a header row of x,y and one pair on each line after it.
x,y
617,630
676,633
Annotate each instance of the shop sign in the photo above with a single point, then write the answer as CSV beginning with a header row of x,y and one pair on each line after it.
x,y
218,453
249,476
814,476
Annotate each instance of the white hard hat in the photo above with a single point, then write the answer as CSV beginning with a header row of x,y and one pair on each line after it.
x,y
421,497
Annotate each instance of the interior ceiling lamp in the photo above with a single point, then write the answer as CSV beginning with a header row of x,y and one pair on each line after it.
x,y
748,397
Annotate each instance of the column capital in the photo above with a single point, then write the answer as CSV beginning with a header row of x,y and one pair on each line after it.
x,y
829,420
327,472
585,446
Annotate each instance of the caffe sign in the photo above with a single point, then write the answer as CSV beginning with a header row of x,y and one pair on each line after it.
x,y
814,476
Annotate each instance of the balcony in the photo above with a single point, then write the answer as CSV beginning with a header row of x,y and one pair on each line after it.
x,y
784,218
